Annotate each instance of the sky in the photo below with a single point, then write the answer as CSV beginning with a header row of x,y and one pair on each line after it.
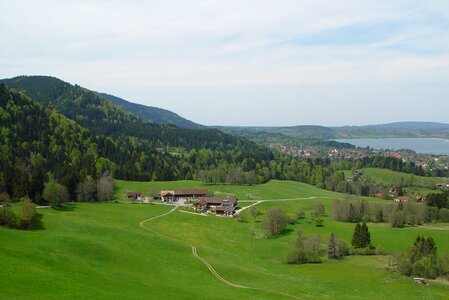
x,y
259,63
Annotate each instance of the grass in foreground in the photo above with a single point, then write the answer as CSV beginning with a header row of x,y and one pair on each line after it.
x,y
98,251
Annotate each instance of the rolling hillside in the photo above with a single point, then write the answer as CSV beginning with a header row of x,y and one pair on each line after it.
x,y
392,130
153,114
99,251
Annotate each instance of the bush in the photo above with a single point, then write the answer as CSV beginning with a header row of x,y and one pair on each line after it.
x,y
425,267
28,213
296,256
363,251
300,214
274,223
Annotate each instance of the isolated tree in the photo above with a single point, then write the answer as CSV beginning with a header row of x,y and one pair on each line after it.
x,y
51,194
365,236
274,222
28,212
319,208
152,192
254,211
86,190
105,187
356,242
332,250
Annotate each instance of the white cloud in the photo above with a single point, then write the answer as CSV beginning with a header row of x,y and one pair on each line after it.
x,y
129,46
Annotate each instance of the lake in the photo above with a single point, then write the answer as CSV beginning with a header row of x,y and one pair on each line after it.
x,y
420,145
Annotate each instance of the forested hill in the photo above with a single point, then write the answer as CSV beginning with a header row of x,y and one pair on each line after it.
x,y
40,144
94,112
153,114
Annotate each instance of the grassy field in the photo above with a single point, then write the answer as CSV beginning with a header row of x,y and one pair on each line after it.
x,y
98,251
388,178
274,189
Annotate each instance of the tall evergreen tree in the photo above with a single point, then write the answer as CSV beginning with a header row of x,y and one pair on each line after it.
x,y
365,236
356,242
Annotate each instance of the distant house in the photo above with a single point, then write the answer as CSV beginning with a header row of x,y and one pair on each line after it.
x,y
402,199
379,195
134,196
222,206
186,194
419,281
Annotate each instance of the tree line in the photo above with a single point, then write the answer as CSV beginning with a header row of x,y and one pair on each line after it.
x,y
397,214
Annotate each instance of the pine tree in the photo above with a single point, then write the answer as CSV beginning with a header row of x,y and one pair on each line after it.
x,y
333,251
352,216
356,242
365,236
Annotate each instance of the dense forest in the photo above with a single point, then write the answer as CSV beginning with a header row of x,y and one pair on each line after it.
x,y
52,131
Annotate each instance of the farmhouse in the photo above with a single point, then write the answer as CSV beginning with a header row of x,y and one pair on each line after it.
x,y
222,206
186,194
402,199
134,196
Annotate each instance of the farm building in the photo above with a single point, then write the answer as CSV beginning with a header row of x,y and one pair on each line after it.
x,y
222,206
134,196
187,194
402,199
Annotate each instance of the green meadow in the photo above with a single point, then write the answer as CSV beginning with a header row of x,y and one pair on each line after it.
x,y
388,178
99,251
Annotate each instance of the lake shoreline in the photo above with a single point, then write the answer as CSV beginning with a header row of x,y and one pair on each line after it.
x,y
436,146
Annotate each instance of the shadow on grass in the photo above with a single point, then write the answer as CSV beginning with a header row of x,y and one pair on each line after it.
x,y
67,207
37,222
287,231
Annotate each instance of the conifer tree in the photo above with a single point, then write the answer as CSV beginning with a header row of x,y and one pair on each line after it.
x,y
365,236
356,242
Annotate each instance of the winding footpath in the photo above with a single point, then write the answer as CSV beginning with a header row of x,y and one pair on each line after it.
x,y
256,202
209,266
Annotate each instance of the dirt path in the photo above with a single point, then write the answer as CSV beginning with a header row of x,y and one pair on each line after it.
x,y
142,223
256,202
209,266
212,270
218,276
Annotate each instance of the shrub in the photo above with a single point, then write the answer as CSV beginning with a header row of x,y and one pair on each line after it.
x,y
274,223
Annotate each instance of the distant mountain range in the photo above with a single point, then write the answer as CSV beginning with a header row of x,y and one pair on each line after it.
x,y
53,92
321,136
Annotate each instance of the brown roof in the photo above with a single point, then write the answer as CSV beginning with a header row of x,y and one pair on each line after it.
x,y
216,201
134,194
225,208
184,192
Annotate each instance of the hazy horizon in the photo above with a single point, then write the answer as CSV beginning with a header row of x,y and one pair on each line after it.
x,y
257,63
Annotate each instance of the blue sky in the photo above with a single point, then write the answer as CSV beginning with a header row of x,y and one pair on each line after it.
x,y
243,62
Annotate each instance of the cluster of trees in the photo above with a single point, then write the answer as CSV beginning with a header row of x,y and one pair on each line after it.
x,y
439,200
398,214
305,249
422,260
10,219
